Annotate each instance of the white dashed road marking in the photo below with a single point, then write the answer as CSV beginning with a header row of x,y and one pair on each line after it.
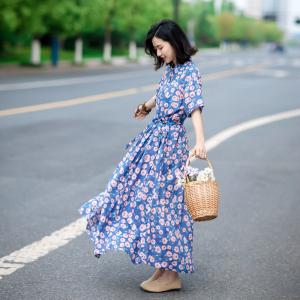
x,y
69,81
275,73
59,238
296,63
32,252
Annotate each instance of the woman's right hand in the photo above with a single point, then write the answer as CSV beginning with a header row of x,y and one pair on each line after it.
x,y
139,113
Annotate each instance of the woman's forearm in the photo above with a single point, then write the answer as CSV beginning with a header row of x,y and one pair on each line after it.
x,y
199,149
198,125
151,103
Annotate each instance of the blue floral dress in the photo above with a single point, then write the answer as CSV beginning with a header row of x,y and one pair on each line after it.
x,y
142,210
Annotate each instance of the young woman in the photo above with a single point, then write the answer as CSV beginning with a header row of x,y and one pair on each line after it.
x,y
142,210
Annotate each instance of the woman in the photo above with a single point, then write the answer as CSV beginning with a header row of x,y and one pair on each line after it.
x,y
142,210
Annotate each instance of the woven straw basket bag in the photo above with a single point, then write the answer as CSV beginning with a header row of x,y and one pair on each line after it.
x,y
201,197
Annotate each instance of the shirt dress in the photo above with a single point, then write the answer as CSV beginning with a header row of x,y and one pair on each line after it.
x,y
142,210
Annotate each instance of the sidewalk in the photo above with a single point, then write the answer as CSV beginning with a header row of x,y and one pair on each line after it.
x,y
63,66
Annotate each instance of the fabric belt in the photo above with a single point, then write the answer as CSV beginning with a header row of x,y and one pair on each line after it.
x,y
165,121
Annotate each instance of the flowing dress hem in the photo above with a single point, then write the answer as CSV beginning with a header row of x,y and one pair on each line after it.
x,y
111,248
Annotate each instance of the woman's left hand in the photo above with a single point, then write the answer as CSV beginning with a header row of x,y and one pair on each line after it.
x,y
199,151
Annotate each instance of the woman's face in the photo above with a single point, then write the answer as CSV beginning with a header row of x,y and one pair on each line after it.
x,y
164,50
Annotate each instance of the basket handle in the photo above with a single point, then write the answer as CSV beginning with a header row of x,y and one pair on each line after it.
x,y
189,161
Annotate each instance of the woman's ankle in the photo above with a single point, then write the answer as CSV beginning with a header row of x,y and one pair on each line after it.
x,y
170,274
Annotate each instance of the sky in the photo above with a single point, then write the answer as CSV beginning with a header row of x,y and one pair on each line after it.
x,y
240,3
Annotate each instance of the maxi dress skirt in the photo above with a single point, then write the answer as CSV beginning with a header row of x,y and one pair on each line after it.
x,y
142,210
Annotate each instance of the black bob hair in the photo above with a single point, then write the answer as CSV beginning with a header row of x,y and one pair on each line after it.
x,y
169,31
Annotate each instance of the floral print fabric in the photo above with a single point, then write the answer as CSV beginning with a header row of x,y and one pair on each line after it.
x,y
142,210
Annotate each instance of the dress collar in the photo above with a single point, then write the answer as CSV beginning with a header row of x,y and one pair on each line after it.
x,y
178,67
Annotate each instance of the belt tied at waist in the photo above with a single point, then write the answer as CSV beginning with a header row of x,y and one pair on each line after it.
x,y
166,121
155,121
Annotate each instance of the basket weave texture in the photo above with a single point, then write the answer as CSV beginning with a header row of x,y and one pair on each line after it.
x,y
202,197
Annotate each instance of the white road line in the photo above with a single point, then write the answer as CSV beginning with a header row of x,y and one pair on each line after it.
x,y
105,96
59,238
296,63
32,252
69,81
280,73
275,73
72,102
239,62
224,135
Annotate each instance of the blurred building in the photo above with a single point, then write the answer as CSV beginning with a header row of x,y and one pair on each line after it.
x,y
254,9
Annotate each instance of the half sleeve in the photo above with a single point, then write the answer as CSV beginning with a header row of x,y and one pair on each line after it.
x,y
193,92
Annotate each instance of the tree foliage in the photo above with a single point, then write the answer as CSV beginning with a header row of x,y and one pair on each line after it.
x,y
126,20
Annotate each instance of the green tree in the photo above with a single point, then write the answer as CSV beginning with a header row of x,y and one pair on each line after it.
x,y
75,23
271,32
199,17
8,21
226,23
135,18
206,29
227,6
26,23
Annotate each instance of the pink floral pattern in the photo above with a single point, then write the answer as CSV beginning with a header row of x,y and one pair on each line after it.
x,y
142,210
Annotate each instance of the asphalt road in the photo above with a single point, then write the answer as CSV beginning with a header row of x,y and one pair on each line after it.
x,y
53,160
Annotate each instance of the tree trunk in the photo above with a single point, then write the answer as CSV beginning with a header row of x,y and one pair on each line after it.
x,y
108,30
132,50
35,58
107,42
191,32
107,51
54,51
78,51
176,10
